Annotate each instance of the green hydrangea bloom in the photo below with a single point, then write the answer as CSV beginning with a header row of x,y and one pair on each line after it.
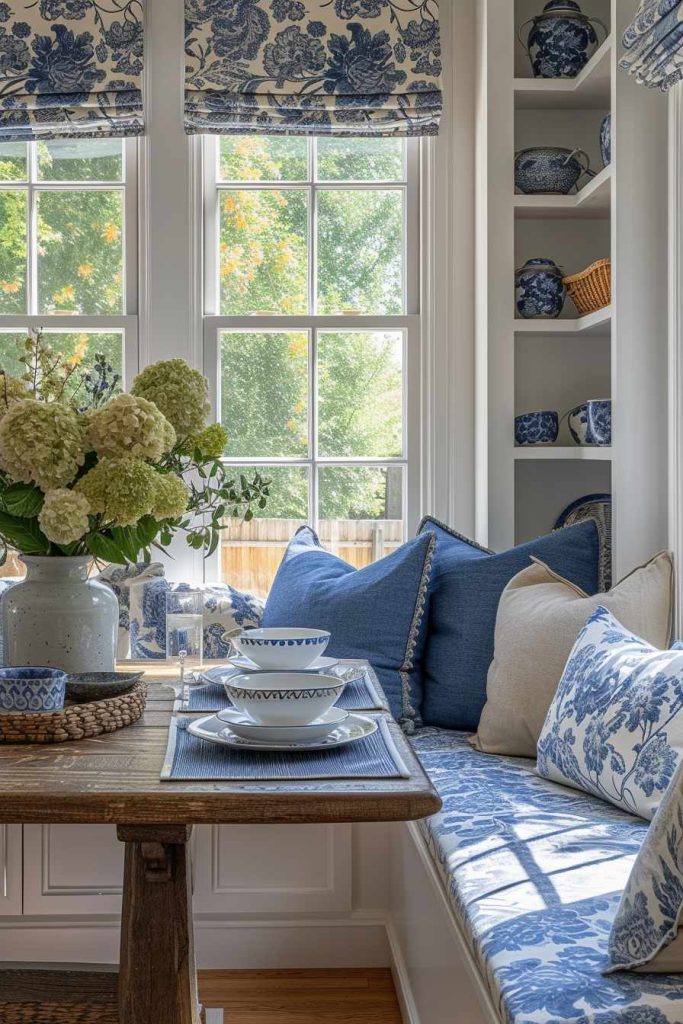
x,y
171,497
127,425
64,516
12,390
122,490
41,443
211,442
180,392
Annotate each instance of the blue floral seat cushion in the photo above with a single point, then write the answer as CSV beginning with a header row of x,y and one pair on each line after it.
x,y
534,872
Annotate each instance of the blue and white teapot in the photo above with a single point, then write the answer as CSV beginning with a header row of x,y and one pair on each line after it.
x,y
561,39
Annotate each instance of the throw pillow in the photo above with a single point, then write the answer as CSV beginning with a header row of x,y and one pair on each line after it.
x,y
377,612
645,934
467,582
539,618
120,578
225,609
615,728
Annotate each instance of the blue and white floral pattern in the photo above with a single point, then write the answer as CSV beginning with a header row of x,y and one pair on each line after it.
x,y
224,609
70,69
651,906
534,872
536,427
615,727
121,578
539,291
654,44
561,41
319,67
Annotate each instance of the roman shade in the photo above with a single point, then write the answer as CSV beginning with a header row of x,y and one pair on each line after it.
x,y
324,67
70,69
654,44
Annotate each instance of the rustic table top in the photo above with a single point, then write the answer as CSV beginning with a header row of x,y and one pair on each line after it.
x,y
115,778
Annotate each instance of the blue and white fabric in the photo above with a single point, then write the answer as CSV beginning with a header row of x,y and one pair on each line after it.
x,y
378,613
615,727
654,44
121,578
534,872
651,906
225,609
70,69
319,67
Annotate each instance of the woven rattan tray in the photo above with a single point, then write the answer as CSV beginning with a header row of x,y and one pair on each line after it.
x,y
76,721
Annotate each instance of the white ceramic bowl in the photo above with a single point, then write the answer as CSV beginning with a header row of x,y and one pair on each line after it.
x,y
284,698
288,649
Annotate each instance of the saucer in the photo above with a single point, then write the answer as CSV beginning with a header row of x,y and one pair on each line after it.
x,y
214,730
244,664
248,730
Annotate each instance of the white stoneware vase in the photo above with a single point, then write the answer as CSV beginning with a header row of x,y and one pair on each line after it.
x,y
59,618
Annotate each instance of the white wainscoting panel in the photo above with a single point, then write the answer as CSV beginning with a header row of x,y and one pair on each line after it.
x,y
72,869
10,869
272,869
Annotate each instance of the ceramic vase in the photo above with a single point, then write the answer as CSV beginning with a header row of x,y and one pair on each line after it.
x,y
539,291
561,40
59,618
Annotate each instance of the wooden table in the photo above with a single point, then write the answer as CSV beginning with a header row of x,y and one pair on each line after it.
x,y
115,778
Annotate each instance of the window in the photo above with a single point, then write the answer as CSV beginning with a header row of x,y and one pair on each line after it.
x,y
311,342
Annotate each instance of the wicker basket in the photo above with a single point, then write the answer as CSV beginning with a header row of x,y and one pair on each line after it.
x,y
591,289
76,721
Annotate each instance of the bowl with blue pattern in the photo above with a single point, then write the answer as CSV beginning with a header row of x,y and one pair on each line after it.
x,y
550,170
284,698
285,649
541,427
590,423
32,689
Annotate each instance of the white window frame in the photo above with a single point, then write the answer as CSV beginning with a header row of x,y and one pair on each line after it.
x,y
126,322
409,323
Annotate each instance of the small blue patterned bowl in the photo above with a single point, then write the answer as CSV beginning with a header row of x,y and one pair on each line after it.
x,y
275,648
540,427
32,689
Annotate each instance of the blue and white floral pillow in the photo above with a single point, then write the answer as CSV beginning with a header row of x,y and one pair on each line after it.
x,y
120,578
224,609
615,726
651,907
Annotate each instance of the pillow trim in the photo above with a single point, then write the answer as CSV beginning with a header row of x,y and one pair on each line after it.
x,y
666,940
452,533
410,718
555,575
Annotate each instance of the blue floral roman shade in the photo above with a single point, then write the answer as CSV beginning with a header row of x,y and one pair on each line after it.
x,y
654,44
70,68
312,67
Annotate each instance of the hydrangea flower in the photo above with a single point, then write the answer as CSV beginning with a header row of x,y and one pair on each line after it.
x,y
211,442
179,391
64,516
12,390
122,490
41,443
171,496
127,425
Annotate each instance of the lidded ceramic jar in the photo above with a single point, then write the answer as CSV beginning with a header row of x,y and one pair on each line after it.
x,y
561,40
539,291
551,170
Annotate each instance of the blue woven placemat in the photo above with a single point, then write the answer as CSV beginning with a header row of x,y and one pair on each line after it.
x,y
360,694
189,759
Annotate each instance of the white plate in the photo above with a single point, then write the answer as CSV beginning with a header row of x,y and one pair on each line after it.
x,y
222,673
212,729
243,726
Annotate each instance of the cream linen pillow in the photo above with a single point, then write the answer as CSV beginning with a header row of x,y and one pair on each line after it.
x,y
539,618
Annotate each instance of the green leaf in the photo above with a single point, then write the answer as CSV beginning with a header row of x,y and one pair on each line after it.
x,y
101,546
147,529
24,534
23,500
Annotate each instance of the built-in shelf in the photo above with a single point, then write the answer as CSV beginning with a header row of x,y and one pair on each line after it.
x,y
593,325
573,453
590,90
593,201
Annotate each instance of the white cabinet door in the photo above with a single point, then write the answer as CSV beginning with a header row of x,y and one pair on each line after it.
x,y
272,869
10,870
72,869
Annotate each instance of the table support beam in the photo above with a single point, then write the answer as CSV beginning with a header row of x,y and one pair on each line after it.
x,y
157,976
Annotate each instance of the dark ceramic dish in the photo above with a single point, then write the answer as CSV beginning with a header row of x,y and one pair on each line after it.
x,y
84,686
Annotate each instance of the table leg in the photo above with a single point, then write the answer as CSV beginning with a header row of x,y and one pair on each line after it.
x,y
157,975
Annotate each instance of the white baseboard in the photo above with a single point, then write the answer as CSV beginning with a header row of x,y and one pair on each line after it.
x,y
399,972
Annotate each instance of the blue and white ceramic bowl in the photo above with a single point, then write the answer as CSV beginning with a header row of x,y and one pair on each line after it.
x,y
284,698
540,427
539,291
591,422
577,421
274,648
32,689
606,139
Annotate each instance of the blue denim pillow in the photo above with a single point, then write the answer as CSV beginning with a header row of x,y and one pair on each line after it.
x,y
466,584
377,612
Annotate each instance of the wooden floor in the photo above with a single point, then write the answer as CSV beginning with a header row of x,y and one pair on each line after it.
x,y
250,997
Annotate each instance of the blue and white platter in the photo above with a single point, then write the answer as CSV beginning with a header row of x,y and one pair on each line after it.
x,y
214,730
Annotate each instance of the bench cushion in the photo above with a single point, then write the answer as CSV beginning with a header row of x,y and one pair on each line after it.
x,y
534,872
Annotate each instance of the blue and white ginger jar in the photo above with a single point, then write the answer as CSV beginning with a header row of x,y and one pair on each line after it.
x,y
561,40
539,291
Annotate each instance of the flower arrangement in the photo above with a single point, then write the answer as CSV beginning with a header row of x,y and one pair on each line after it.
x,y
88,469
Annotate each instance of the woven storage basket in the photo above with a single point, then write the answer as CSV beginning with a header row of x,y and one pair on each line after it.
x,y
75,722
591,289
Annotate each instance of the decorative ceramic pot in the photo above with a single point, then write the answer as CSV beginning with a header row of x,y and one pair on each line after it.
x,y
549,169
591,422
32,689
539,291
606,139
537,427
561,40
577,421
60,618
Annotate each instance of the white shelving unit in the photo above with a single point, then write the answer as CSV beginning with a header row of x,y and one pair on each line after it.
x,y
617,352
